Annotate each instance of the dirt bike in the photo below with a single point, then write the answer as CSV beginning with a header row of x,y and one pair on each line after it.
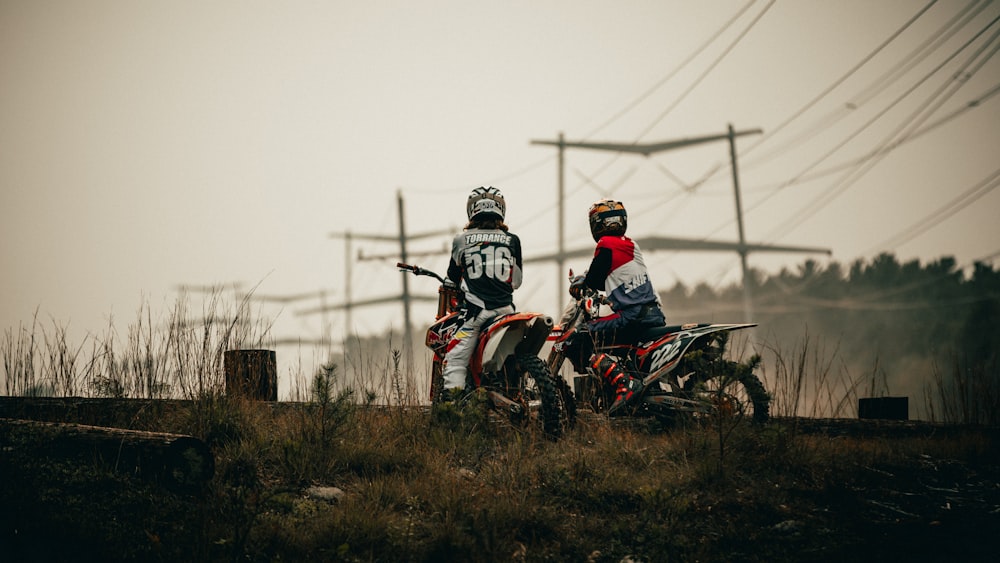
x,y
505,363
682,368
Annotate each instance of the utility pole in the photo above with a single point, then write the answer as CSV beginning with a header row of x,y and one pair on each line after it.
x,y
747,301
407,327
286,299
242,295
348,305
348,322
401,238
647,149
560,262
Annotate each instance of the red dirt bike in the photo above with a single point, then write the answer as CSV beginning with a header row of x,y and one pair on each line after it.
x,y
682,368
505,363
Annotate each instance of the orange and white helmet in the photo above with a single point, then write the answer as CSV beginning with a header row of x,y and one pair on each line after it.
x,y
486,200
607,218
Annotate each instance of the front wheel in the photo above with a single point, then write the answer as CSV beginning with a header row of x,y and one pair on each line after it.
x,y
564,394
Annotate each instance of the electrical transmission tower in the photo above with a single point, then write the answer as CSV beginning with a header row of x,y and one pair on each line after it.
x,y
405,296
663,243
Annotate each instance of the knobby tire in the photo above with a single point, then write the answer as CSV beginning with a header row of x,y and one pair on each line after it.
x,y
756,393
550,412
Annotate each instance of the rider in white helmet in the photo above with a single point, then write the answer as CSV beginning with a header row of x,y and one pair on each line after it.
x,y
486,264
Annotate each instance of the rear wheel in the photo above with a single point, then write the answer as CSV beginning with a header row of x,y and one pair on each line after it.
x,y
731,388
734,390
536,391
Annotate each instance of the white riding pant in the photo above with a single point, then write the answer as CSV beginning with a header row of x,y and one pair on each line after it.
x,y
463,344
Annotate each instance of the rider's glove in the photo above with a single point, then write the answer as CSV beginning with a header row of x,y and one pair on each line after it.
x,y
577,287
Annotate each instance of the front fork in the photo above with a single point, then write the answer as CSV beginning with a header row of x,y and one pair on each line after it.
x,y
555,361
437,379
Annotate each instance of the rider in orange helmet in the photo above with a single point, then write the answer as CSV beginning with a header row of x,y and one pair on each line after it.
x,y
618,270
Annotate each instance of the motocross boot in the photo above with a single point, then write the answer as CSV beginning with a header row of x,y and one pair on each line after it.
x,y
626,387
453,394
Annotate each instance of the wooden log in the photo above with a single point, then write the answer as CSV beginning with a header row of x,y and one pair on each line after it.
x,y
178,461
144,414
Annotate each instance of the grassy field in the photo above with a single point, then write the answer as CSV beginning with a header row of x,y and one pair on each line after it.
x,y
352,474
333,481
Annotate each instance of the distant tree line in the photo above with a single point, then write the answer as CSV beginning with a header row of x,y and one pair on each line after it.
x,y
909,318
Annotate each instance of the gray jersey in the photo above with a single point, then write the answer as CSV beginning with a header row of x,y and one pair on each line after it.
x,y
486,263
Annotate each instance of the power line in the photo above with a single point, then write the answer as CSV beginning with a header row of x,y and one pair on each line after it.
x,y
714,37
827,91
629,107
405,297
878,151
970,105
917,55
955,205
846,181
600,189
672,73
879,85
988,257
773,187
832,118
939,215
707,71
976,102
921,53
498,180
728,49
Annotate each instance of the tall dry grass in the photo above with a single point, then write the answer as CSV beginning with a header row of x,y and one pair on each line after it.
x,y
180,356
965,392
809,378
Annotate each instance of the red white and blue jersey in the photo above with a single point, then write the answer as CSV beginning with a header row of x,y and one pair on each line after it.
x,y
618,270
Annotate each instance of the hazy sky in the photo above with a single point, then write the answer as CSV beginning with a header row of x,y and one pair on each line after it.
x,y
145,145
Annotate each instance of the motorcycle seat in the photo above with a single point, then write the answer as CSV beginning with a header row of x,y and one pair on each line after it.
x,y
656,332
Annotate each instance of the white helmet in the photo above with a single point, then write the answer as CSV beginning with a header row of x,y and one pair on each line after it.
x,y
486,200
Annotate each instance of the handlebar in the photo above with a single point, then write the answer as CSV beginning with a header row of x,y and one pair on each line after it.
x,y
418,271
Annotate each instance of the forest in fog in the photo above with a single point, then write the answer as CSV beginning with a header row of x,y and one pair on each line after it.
x,y
900,326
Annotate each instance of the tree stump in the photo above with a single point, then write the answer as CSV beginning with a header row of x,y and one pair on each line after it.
x,y
885,408
252,374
